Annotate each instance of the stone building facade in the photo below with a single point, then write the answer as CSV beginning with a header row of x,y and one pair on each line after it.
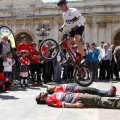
x,y
24,17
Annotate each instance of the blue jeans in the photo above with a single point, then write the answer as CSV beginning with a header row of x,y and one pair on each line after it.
x,y
65,72
95,91
57,73
8,75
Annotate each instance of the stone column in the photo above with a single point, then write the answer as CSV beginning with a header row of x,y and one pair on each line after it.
x,y
36,25
108,33
101,32
55,30
88,33
95,34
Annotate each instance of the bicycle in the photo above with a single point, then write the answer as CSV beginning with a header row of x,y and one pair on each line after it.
x,y
49,50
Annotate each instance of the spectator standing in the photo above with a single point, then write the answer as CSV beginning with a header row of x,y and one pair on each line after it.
x,y
105,59
101,45
4,48
24,61
13,50
35,66
77,52
65,66
88,60
23,45
86,45
57,66
8,63
117,60
92,56
70,67
49,66
113,64
46,65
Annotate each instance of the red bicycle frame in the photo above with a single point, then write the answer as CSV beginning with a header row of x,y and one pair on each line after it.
x,y
73,58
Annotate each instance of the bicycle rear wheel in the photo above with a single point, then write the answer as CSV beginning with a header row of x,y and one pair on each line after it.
x,y
83,76
48,49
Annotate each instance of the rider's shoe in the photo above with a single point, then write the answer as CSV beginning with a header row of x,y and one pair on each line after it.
x,y
84,60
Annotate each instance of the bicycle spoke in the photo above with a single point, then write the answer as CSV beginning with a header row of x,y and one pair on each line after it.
x,y
83,76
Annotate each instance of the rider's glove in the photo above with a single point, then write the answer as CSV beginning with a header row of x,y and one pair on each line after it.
x,y
61,29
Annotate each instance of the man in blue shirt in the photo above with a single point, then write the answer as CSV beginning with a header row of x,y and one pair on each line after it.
x,y
92,56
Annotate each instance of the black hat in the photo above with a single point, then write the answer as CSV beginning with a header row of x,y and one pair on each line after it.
x,y
22,36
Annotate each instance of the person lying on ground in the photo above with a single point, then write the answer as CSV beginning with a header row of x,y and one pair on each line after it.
x,y
77,100
5,83
2,87
75,88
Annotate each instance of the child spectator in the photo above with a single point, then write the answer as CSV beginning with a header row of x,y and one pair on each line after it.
x,y
24,62
8,63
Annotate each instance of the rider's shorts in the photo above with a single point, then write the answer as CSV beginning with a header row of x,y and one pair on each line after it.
x,y
76,31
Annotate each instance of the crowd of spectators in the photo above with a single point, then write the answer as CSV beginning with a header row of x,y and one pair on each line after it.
x,y
103,61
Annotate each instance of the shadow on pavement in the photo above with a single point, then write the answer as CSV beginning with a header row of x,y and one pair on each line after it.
x,y
18,88
7,97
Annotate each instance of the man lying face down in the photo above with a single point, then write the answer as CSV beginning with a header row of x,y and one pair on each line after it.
x,y
77,100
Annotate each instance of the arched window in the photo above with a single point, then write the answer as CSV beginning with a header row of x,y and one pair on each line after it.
x,y
117,39
29,38
18,39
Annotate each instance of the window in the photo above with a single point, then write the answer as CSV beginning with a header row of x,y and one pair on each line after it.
x,y
29,38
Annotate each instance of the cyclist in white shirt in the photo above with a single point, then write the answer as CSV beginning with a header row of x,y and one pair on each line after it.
x,y
73,22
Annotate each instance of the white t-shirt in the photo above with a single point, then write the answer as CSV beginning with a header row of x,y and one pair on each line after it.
x,y
8,65
72,18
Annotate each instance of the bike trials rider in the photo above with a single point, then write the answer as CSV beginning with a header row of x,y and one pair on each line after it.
x,y
73,21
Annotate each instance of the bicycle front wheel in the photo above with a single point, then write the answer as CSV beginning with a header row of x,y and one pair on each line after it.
x,y
83,76
48,49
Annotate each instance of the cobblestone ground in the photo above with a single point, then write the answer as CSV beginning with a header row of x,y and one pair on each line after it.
x,y
19,104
